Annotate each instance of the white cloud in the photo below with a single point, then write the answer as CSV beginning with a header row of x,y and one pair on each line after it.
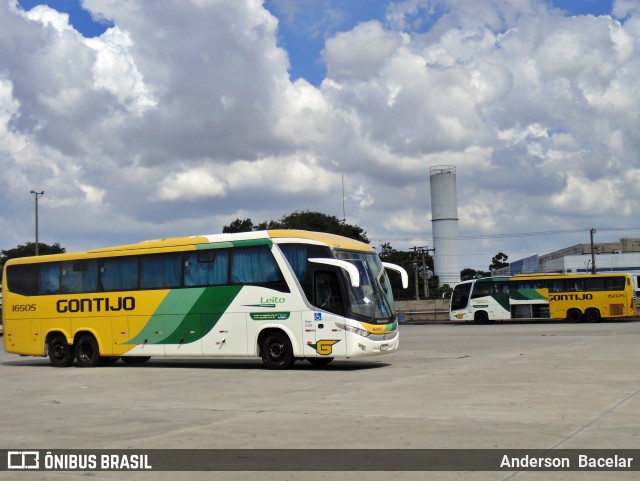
x,y
361,52
115,71
192,184
50,18
590,197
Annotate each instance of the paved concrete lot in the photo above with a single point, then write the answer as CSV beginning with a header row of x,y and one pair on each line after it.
x,y
517,385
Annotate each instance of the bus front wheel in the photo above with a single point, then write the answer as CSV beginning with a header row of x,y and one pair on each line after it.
x,y
276,351
60,352
87,351
481,317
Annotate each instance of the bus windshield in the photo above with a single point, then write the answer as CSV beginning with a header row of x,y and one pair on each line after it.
x,y
373,300
460,296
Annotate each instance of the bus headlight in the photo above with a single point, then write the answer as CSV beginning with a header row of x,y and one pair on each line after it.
x,y
355,330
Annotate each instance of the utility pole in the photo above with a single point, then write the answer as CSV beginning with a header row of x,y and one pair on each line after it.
x,y
420,258
593,252
415,265
37,195
344,214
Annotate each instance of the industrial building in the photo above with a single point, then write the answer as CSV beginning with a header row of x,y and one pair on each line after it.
x,y
621,256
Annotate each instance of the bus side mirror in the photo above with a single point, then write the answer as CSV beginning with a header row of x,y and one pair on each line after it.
x,y
351,270
403,274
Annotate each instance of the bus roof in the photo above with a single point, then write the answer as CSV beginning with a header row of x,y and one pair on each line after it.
x,y
547,275
332,240
175,243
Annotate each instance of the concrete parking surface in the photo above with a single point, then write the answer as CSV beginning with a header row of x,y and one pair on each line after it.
x,y
517,385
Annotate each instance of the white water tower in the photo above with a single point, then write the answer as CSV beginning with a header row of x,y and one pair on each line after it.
x,y
444,223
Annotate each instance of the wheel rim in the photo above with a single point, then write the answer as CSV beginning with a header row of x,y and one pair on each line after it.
x,y
59,351
86,353
276,351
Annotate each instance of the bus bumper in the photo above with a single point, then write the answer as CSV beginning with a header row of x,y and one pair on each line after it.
x,y
373,345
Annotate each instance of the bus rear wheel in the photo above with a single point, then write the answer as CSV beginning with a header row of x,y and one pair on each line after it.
x,y
60,352
574,315
276,351
592,315
87,351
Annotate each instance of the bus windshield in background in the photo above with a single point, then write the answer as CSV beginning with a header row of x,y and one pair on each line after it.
x,y
460,296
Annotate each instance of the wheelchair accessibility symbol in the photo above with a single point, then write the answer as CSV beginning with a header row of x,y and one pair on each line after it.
x,y
317,316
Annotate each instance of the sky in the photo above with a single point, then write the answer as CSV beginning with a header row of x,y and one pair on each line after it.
x,y
142,119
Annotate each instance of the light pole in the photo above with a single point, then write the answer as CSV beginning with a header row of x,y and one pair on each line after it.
x,y
593,252
37,195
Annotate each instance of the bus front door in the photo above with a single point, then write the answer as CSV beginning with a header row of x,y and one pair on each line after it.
x,y
323,337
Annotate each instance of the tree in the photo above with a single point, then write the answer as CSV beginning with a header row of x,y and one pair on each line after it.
x,y
245,225
28,250
411,261
305,220
499,261
404,260
469,274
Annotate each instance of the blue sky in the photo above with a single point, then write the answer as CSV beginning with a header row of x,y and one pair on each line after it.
x,y
177,117
79,17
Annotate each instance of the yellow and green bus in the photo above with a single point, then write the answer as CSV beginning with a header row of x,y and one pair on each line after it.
x,y
280,295
577,298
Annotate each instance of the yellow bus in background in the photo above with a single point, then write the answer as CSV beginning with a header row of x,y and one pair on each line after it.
x,y
280,295
577,298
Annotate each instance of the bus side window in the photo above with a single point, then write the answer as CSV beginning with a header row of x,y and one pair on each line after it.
x,y
326,292
595,284
615,283
79,276
257,266
119,273
49,278
555,285
575,285
161,271
297,256
482,289
206,268
23,279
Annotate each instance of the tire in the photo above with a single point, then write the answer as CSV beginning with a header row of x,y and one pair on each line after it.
x,y
60,352
319,361
276,351
87,351
592,315
574,315
481,317
135,359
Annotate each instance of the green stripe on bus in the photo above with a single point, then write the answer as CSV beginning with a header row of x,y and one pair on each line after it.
x,y
205,308
242,243
526,295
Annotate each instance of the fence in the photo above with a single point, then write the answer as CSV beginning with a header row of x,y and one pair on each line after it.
x,y
428,310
